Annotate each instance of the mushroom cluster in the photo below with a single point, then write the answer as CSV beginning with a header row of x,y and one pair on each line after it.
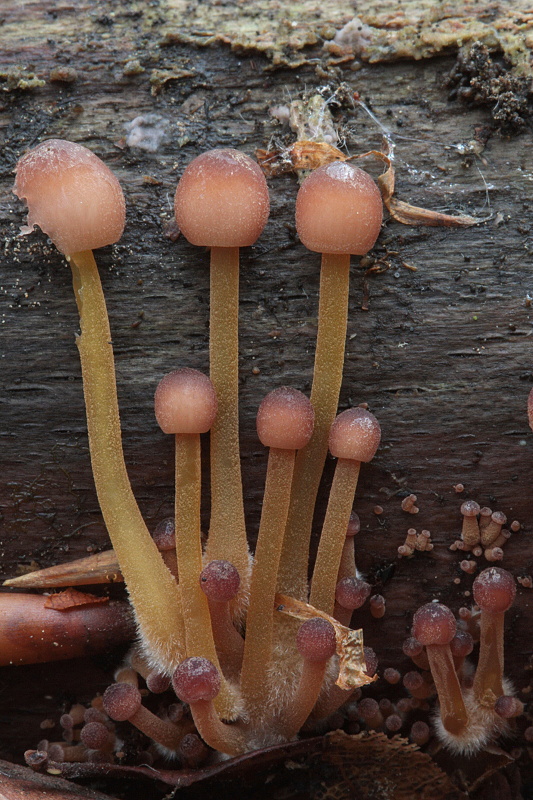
x,y
474,709
249,648
247,644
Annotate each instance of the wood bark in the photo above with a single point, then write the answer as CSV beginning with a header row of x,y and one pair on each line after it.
x,y
442,355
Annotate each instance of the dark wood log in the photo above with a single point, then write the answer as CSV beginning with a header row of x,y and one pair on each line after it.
x,y
442,354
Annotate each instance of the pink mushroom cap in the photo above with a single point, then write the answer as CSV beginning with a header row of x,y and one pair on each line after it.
x,y
339,210
185,402
434,623
222,200
71,195
494,590
355,434
285,419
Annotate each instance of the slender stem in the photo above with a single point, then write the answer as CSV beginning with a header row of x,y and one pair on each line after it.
x,y
198,633
259,619
489,672
217,734
227,534
329,361
153,591
304,700
333,535
160,730
228,641
347,569
452,708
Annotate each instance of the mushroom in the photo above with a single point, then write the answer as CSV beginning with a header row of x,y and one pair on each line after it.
x,y
220,581
354,437
494,591
316,643
434,626
186,405
338,214
222,202
122,701
470,530
197,682
78,202
284,424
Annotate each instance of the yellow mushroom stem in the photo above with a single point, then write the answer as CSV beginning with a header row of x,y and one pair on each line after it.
x,y
332,539
227,533
259,618
327,379
452,708
198,633
489,671
152,589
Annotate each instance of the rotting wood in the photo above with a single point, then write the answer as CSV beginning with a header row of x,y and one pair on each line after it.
x,y
442,356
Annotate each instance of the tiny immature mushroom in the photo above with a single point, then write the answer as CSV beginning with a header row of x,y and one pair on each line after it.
x,y
186,405
494,592
408,504
347,567
122,701
434,626
470,532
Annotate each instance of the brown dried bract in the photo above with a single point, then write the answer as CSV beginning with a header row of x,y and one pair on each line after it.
x,y
71,598
308,155
352,662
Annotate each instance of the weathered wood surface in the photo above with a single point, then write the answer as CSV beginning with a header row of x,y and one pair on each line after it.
x,y
442,355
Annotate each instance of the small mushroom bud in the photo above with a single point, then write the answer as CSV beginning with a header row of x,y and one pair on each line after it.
x,y
284,424
351,593
185,402
220,582
122,701
316,643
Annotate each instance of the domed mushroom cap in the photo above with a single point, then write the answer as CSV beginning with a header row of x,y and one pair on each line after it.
x,y
285,419
185,402
355,434
316,640
195,679
71,195
494,590
339,210
222,200
121,701
433,624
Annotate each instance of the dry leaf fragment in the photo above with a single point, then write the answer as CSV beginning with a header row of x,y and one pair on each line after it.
x,y
99,568
308,155
71,598
352,663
